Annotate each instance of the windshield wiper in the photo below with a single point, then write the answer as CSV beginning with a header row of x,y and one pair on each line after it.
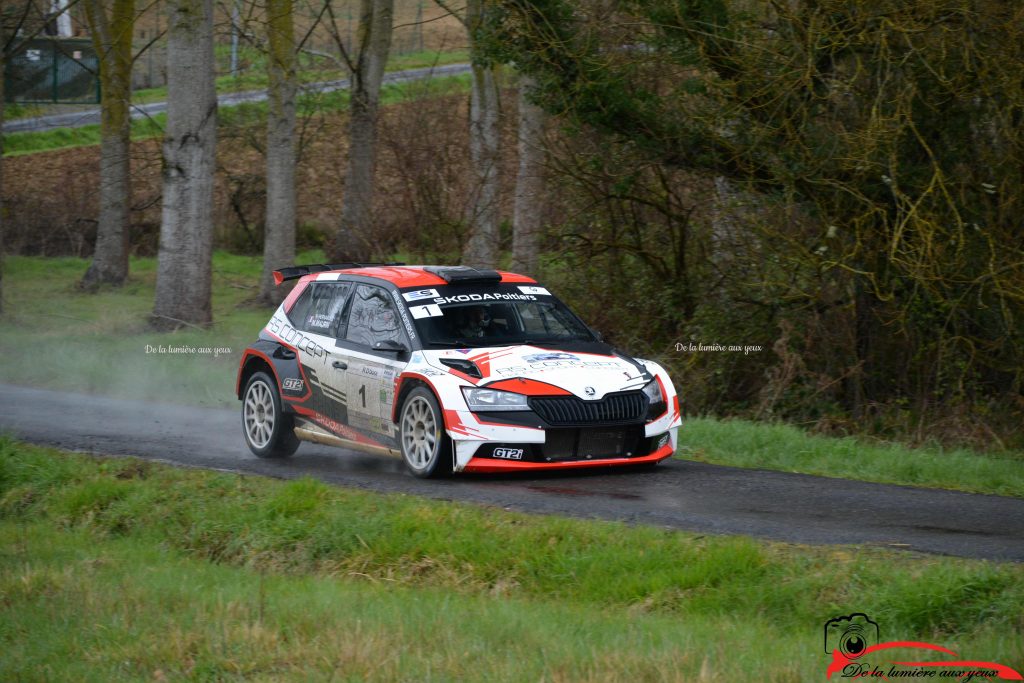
x,y
463,344
553,342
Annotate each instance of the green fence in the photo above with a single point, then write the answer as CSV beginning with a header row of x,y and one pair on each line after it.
x,y
53,70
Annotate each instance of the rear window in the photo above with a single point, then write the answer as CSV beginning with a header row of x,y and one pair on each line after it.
x,y
319,308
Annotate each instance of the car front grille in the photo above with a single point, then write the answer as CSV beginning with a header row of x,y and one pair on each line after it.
x,y
569,411
592,443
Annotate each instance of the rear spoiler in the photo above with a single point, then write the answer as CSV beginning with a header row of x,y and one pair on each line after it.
x,y
295,272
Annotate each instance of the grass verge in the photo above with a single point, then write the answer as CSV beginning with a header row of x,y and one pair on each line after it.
x,y
783,447
126,569
56,336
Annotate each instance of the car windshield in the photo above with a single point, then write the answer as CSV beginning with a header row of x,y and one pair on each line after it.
x,y
497,315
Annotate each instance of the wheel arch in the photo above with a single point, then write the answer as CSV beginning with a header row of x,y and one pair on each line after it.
x,y
408,382
253,362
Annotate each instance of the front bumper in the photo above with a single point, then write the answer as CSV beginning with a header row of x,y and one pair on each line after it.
x,y
540,446
492,465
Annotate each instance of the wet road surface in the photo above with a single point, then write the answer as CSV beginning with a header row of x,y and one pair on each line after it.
x,y
678,494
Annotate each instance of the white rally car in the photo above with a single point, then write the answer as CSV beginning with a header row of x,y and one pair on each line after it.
x,y
454,369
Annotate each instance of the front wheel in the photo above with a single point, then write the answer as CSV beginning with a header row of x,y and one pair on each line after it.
x,y
268,431
425,446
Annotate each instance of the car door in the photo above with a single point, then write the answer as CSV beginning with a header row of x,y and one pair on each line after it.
x,y
318,315
370,373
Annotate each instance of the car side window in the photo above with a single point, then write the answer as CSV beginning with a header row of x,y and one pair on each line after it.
x,y
297,314
322,315
372,317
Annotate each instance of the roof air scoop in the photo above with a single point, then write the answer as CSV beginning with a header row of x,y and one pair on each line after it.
x,y
464,275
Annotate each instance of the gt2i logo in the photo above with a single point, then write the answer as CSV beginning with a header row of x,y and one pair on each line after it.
x,y
853,642
509,453
291,384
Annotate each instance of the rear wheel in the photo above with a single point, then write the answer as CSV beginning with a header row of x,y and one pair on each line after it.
x,y
268,431
425,445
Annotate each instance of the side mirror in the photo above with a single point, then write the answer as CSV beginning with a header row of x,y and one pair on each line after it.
x,y
391,345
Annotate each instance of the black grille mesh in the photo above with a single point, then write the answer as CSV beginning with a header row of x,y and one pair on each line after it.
x,y
567,411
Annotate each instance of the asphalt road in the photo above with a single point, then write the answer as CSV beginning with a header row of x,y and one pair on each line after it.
x,y
679,494
92,116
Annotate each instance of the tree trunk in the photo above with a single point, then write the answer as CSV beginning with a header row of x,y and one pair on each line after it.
x,y
2,227
279,230
353,241
484,146
112,37
186,229
528,207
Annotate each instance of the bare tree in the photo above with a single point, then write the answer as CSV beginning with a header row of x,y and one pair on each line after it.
x,y
484,149
528,208
186,229
112,24
353,239
3,61
279,230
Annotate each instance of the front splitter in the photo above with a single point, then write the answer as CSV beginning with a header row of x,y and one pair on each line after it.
x,y
493,465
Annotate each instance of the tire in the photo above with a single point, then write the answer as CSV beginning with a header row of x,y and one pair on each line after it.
x,y
268,431
425,445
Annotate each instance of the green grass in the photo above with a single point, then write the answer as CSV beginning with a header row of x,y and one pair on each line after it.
x,y
16,144
786,448
96,343
127,569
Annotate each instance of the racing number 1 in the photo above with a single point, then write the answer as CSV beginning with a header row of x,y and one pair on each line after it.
x,y
362,394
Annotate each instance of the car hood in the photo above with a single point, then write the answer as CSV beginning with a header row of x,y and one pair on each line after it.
x,y
589,375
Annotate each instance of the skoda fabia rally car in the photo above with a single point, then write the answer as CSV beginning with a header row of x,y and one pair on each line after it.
x,y
455,369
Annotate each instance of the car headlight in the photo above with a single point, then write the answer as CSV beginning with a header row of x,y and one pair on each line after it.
x,y
484,400
657,403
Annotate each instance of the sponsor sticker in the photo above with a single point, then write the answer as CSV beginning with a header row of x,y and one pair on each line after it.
x,y
420,294
509,453
535,290
554,355
323,277
403,315
428,311
297,339
321,321
489,296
